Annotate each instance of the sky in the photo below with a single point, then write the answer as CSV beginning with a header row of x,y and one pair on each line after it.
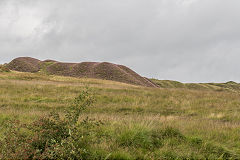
x,y
183,40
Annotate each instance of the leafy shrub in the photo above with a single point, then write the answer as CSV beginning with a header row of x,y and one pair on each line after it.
x,y
52,137
4,68
67,137
14,145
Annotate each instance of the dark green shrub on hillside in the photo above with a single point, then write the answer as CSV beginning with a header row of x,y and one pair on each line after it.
x,y
52,137
3,68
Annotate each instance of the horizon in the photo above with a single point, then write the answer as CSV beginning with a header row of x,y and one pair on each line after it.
x,y
190,41
126,66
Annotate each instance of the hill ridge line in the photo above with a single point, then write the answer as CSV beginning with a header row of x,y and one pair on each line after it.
x,y
98,70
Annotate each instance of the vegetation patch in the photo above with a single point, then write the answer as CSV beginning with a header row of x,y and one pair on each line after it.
x,y
124,122
107,71
4,68
25,64
228,86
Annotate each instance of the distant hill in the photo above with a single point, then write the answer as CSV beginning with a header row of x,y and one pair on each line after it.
x,y
104,70
228,86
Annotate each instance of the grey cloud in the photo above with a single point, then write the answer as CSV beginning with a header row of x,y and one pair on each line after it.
x,y
186,40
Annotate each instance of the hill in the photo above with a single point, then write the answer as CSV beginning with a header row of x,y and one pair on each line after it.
x,y
25,64
228,86
131,122
104,70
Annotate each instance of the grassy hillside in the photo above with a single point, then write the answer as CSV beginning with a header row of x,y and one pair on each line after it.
x,y
97,70
176,121
228,86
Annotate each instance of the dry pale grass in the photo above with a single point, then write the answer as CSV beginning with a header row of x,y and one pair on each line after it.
x,y
211,115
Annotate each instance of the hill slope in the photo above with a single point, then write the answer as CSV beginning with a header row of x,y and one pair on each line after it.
x,y
136,122
104,70
25,64
228,86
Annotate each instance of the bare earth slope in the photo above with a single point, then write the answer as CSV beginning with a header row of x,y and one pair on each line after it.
x,y
104,70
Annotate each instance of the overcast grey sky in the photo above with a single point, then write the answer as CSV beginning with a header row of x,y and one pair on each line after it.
x,y
184,40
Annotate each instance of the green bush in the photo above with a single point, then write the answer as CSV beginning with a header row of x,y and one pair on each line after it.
x,y
52,137
4,68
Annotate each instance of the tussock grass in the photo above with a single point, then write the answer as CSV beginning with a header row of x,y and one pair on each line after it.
x,y
139,122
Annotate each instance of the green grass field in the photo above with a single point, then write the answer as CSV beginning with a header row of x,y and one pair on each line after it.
x,y
176,121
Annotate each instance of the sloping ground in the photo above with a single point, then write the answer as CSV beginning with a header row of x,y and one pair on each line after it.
x,y
139,122
230,86
25,64
104,70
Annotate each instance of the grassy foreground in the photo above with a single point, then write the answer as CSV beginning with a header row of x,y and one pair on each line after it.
x,y
136,122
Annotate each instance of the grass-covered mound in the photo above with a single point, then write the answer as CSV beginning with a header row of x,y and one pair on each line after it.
x,y
228,86
25,64
107,71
